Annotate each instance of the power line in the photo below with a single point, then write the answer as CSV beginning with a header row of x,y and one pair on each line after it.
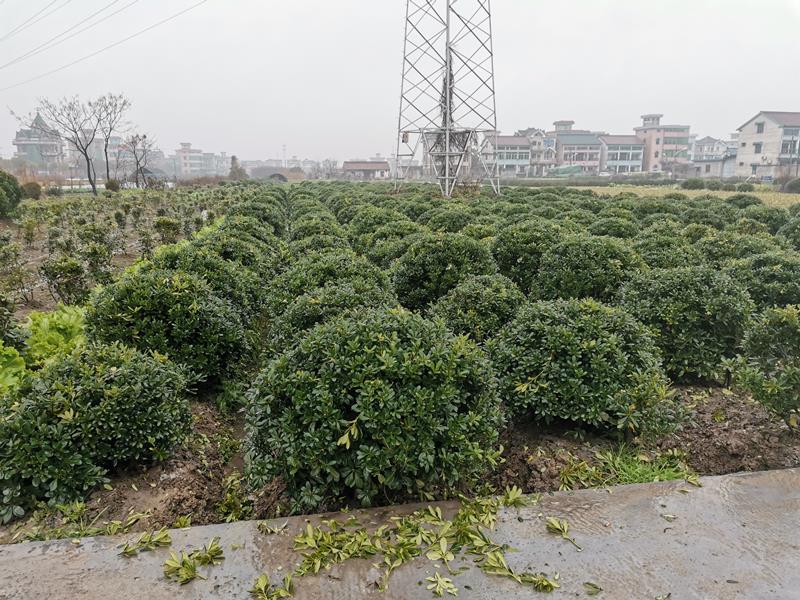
x,y
109,47
22,25
52,43
44,16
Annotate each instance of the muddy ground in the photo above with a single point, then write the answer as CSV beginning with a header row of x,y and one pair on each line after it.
x,y
726,433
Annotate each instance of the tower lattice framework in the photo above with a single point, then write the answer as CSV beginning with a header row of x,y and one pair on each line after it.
x,y
448,115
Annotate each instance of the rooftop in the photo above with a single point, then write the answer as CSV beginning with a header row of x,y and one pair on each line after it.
x,y
513,140
629,140
786,119
580,139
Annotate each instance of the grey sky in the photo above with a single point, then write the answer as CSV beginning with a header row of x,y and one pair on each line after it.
x,y
322,76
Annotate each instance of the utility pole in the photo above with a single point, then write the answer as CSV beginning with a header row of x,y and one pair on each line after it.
x,y
447,98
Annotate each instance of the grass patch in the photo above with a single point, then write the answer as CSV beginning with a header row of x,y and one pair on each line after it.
x,y
625,466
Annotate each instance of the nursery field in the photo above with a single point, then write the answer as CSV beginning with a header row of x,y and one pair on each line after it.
x,y
250,351
768,196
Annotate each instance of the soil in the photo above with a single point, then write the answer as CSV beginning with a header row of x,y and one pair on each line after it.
x,y
725,433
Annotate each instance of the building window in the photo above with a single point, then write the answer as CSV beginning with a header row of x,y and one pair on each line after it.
x,y
759,127
744,144
741,164
757,147
708,168
754,169
789,148
658,141
656,154
794,132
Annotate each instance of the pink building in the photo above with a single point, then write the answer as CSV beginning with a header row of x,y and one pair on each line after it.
x,y
666,147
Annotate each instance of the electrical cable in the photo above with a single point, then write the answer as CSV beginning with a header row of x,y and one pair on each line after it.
x,y
105,48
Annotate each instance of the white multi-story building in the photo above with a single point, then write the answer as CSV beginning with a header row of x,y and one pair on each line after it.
x,y
769,146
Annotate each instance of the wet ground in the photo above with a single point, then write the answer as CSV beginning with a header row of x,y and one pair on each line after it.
x,y
734,537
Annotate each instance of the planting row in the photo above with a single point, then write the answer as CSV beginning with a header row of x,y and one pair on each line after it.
x,y
391,337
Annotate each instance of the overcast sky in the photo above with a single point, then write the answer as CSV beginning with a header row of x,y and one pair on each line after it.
x,y
322,76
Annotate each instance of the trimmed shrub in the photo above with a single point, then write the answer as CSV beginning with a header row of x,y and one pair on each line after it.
x,y
748,226
112,185
436,264
770,367
771,216
697,313
10,193
66,279
745,187
317,243
367,220
449,220
664,251
227,279
791,232
703,216
721,247
693,184
170,312
614,227
383,406
793,187
479,306
581,361
168,229
31,190
311,226
318,269
518,250
99,409
743,200
265,211
583,266
322,304
265,259
772,279
10,333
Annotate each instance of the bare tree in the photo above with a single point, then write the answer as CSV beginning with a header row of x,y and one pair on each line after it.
x,y
111,110
72,121
139,146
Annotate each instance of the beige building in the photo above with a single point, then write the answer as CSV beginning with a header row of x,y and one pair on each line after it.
x,y
769,146
622,154
666,147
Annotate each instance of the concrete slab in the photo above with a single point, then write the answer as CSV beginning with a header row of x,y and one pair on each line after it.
x,y
736,537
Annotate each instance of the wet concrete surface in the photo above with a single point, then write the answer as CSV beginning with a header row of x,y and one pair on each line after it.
x,y
735,537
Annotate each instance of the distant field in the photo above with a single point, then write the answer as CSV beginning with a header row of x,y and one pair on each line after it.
x,y
769,197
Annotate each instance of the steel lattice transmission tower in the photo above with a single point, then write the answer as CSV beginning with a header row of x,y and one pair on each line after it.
x,y
447,101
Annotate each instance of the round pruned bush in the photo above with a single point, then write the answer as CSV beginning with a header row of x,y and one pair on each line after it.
x,y
585,266
518,250
227,279
10,193
316,243
99,409
695,183
450,220
748,226
367,220
666,251
479,306
772,279
745,187
317,269
581,361
436,264
614,227
743,200
322,304
770,366
697,313
171,312
374,408
791,232
792,187
265,259
312,225
721,247
32,190
771,216
265,211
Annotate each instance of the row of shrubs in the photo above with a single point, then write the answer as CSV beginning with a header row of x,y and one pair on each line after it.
x,y
394,335
715,185
90,397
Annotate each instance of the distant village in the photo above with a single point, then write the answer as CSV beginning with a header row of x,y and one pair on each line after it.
x,y
764,148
